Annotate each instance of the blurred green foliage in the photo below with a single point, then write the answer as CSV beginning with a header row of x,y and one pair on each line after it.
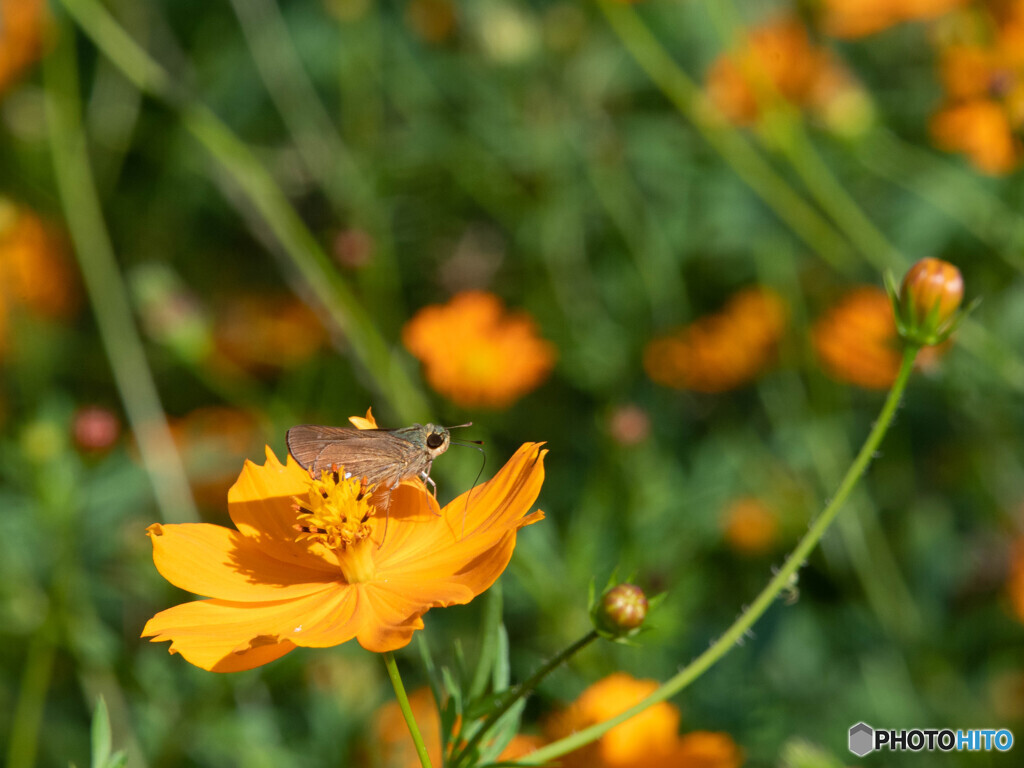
x,y
522,151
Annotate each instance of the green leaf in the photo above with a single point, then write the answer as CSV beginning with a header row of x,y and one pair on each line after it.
x,y
101,738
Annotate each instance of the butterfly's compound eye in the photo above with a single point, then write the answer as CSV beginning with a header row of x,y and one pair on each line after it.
x,y
435,440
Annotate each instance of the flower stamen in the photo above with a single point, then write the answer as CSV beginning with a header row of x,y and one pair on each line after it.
x,y
336,513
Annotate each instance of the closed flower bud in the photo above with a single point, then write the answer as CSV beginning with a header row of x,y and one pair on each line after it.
x,y
928,302
621,610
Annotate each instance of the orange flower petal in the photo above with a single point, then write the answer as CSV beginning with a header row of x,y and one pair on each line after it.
x,y
260,505
488,511
367,422
203,628
188,627
214,561
506,496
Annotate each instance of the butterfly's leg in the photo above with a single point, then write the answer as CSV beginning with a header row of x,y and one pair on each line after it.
x,y
425,476
430,481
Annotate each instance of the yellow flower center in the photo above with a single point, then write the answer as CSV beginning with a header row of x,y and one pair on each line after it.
x,y
336,515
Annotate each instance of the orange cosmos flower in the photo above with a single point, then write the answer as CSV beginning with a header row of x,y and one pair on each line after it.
x,y
721,351
649,740
981,130
778,57
264,334
1015,579
703,749
477,354
21,37
856,341
36,271
393,747
213,441
983,75
309,564
857,18
751,527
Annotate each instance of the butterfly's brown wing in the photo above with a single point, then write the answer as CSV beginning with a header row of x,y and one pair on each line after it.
x,y
376,454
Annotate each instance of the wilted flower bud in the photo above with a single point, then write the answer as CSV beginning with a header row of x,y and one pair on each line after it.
x,y
621,610
926,308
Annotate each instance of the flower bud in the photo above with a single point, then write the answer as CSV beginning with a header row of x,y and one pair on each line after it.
x,y
621,610
95,429
929,298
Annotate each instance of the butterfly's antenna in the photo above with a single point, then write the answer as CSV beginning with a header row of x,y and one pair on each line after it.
x,y
460,426
476,445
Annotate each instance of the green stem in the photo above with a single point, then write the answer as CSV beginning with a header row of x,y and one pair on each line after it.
x,y
833,197
779,582
808,224
105,286
319,143
783,125
403,703
954,191
508,698
324,283
28,712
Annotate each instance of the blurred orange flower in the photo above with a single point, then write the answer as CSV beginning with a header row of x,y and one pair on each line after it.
x,y
856,340
35,268
983,75
21,37
750,526
777,56
857,18
433,21
1015,579
309,565
263,334
213,441
721,351
36,272
477,354
650,739
393,747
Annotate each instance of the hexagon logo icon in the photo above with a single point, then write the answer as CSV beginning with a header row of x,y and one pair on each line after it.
x,y
862,739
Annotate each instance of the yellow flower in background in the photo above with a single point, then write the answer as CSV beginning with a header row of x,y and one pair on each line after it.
x,y
721,351
22,24
309,564
476,353
750,526
649,740
857,18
